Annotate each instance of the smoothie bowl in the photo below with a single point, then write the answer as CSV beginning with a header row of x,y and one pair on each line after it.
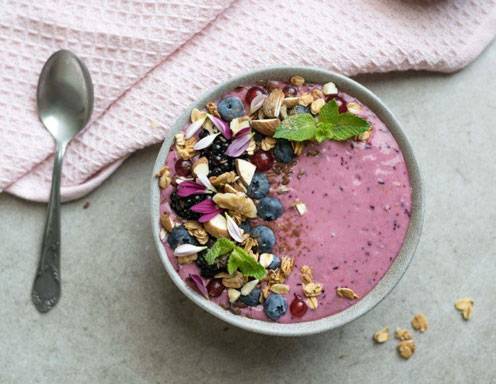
x,y
286,201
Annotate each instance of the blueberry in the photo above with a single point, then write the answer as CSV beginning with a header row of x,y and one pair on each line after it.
x,y
252,299
259,186
179,235
299,109
283,151
230,108
246,227
269,208
265,238
276,263
275,306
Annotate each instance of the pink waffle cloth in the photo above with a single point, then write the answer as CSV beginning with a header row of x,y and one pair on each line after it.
x,y
150,59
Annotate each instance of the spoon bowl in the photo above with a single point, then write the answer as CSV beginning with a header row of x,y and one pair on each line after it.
x,y
65,102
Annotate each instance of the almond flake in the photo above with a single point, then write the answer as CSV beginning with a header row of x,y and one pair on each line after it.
x,y
329,89
282,289
166,221
301,208
162,234
381,336
353,107
419,322
248,287
465,306
200,167
312,303
406,349
189,259
266,259
233,294
402,334
347,293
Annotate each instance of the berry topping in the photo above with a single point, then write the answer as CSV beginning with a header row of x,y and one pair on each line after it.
x,y
262,160
269,208
178,236
299,109
254,91
275,306
290,91
230,108
182,205
183,167
259,186
252,299
298,307
207,270
215,288
283,151
265,238
275,263
218,161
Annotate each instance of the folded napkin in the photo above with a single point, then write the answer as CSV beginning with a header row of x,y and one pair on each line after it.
x,y
150,59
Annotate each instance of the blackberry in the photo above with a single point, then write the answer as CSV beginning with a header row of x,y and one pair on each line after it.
x,y
218,161
207,270
182,205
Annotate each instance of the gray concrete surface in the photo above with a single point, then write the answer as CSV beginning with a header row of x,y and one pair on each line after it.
x,y
121,321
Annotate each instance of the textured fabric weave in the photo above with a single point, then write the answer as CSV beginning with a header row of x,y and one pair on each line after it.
x,y
150,59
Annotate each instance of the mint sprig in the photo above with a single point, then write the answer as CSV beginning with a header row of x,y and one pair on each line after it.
x,y
239,259
331,125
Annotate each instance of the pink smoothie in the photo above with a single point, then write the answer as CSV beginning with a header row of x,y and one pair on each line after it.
x,y
358,198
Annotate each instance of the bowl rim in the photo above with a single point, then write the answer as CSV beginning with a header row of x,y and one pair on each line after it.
x,y
397,268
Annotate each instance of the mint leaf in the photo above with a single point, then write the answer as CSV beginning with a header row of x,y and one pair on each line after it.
x,y
221,247
329,112
299,127
348,126
247,265
323,132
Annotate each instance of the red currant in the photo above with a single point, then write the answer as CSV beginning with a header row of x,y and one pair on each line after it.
x,y
254,91
183,167
215,288
298,307
289,91
262,160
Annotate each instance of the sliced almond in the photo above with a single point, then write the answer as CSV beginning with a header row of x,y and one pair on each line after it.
x,y
166,221
291,101
353,107
233,294
200,167
330,89
272,104
248,287
245,170
266,259
317,105
238,124
266,127
301,208
217,226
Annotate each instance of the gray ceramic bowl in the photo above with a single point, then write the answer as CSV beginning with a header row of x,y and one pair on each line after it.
x,y
397,269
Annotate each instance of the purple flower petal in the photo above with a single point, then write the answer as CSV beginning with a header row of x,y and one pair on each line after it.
x,y
238,145
205,206
222,126
243,132
197,283
208,216
206,142
188,188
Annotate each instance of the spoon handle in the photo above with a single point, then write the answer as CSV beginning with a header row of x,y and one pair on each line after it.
x,y
46,286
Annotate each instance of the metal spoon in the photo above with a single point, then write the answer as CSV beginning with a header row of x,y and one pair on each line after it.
x,y
65,103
